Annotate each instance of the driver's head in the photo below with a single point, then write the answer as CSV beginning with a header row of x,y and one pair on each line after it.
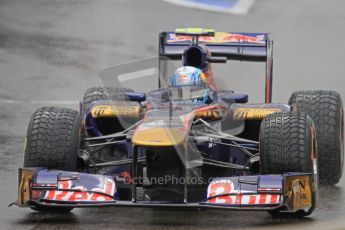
x,y
189,84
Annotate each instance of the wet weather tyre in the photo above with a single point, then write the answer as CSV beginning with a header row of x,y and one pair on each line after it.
x,y
103,93
52,139
326,110
287,144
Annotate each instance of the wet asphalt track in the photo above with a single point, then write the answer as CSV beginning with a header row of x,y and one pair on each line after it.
x,y
50,52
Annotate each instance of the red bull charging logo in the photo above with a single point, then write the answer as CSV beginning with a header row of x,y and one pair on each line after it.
x,y
220,37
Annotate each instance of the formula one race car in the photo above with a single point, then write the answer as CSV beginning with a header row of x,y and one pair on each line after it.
x,y
186,144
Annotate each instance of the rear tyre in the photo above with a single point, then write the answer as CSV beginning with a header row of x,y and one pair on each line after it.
x,y
103,93
287,145
52,142
326,110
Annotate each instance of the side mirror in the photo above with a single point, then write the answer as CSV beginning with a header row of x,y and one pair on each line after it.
x,y
234,97
138,97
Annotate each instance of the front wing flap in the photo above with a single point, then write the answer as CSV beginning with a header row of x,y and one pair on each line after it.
x,y
290,192
37,185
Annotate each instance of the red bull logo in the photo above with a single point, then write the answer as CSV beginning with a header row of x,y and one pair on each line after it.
x,y
260,39
220,37
224,192
81,193
183,79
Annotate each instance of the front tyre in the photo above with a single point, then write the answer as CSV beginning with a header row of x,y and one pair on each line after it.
x,y
52,142
52,139
288,144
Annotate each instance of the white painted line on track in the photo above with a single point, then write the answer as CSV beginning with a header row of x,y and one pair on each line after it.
x,y
241,6
38,102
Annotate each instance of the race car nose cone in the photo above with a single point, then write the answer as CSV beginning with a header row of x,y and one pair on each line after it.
x,y
159,137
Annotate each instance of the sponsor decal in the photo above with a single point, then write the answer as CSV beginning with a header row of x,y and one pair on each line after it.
x,y
183,79
124,177
213,111
220,37
253,113
298,194
224,192
81,194
114,111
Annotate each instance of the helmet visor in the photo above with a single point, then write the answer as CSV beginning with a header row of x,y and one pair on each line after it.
x,y
186,92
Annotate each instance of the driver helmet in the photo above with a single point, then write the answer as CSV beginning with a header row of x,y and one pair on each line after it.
x,y
189,84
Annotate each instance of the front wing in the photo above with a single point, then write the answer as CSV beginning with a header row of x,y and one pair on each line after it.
x,y
290,192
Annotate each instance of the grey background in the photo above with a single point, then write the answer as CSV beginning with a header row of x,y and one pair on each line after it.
x,y
51,52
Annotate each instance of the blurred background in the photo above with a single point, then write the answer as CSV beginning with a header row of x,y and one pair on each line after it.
x,y
51,51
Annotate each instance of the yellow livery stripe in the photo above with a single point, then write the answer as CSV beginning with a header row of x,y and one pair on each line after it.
x,y
253,113
115,111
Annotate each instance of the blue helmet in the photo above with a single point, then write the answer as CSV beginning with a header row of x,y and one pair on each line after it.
x,y
189,84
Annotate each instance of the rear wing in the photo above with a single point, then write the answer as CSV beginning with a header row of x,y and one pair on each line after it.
x,y
257,47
